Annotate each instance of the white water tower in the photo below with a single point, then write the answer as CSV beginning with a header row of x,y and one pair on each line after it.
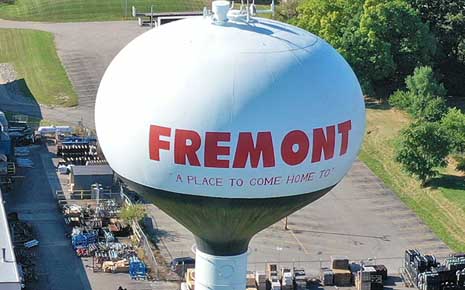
x,y
228,123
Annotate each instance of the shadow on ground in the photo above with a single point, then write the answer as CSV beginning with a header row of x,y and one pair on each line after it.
x,y
376,104
448,181
155,234
33,198
17,98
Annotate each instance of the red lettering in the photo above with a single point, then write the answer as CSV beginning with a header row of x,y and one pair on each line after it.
x,y
182,150
322,142
295,147
288,154
213,150
343,129
155,144
263,148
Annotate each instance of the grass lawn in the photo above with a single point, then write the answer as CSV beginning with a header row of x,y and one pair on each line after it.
x,y
35,59
90,10
94,10
441,206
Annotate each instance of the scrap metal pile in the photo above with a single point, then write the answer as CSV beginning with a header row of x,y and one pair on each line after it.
x,y
77,150
21,232
426,273
21,134
95,232
22,157
104,216
24,242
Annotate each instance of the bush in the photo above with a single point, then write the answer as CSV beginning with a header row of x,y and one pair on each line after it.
x,y
401,100
423,83
460,164
424,97
287,10
133,212
427,108
454,125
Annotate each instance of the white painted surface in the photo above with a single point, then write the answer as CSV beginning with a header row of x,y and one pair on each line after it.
x,y
238,77
9,276
220,272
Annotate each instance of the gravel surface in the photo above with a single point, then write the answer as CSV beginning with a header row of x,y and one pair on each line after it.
x,y
12,98
7,73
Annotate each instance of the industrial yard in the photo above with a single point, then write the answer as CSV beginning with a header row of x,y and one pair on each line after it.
x,y
77,205
34,201
42,198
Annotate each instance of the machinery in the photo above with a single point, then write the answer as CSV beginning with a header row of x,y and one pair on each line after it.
x,y
228,123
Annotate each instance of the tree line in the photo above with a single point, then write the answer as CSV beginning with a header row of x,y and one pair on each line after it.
x,y
385,40
411,52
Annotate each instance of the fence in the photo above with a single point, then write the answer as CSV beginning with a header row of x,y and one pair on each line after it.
x,y
312,267
144,242
88,195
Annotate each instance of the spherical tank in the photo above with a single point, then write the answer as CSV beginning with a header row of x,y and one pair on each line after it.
x,y
229,127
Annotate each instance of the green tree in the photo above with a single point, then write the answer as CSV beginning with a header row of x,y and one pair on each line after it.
x,y
423,82
447,21
423,146
428,108
424,97
287,10
134,212
382,40
395,38
334,21
454,125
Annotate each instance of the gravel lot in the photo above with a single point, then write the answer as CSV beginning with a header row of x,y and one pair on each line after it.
x,y
360,218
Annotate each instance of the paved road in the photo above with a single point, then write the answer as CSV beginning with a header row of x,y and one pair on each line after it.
x,y
85,49
360,218
33,200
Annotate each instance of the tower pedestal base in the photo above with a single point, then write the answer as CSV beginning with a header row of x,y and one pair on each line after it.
x,y
220,272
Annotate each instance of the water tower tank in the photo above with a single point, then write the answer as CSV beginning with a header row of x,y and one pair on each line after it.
x,y
228,126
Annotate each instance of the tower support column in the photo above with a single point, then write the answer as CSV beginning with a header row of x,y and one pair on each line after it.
x,y
220,272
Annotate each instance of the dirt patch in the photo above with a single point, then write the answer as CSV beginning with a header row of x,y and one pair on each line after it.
x,y
7,73
451,168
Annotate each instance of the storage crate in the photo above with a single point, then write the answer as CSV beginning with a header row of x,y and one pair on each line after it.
x,y
342,277
339,262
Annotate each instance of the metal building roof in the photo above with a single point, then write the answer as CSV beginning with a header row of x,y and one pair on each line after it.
x,y
8,267
91,170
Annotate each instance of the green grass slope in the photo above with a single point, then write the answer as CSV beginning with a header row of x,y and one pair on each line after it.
x,y
90,10
35,59
442,205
